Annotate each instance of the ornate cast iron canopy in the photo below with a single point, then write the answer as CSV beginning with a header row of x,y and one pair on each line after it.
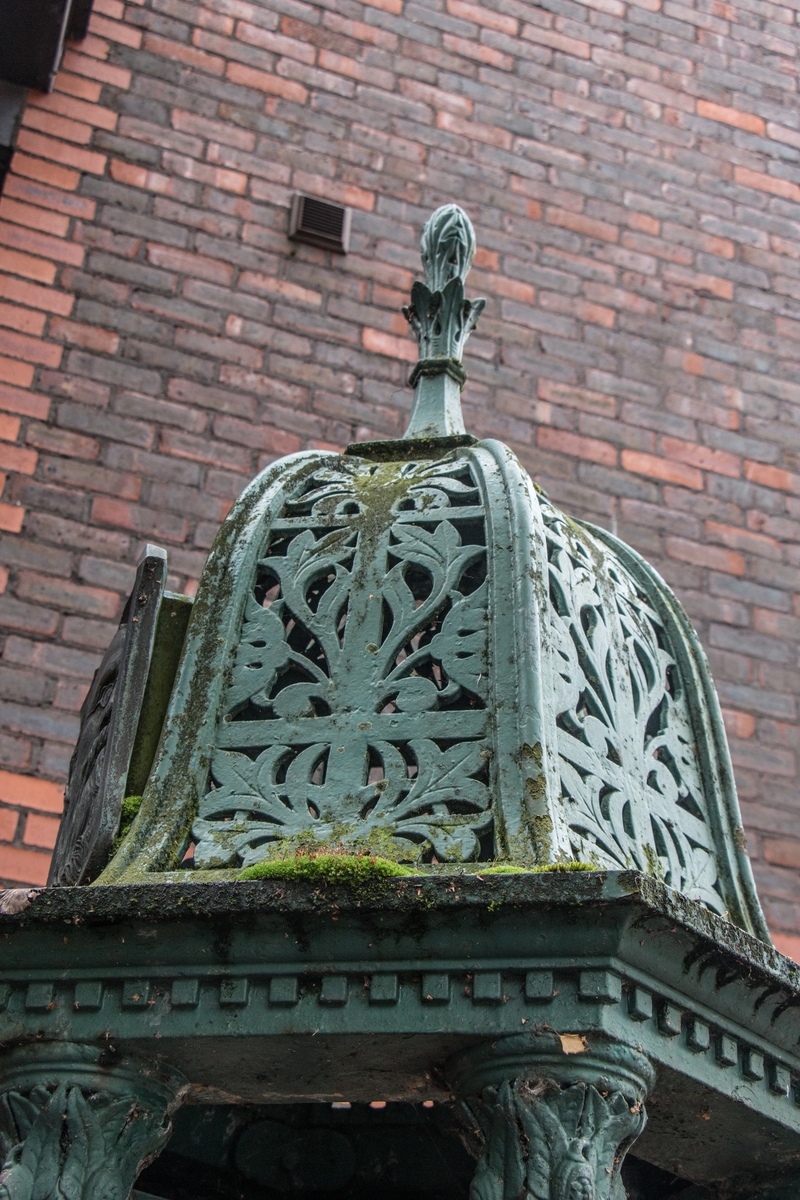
x,y
468,756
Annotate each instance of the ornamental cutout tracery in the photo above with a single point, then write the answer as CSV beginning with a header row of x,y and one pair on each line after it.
x,y
356,711
631,786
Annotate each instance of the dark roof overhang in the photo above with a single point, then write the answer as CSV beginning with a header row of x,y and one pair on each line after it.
x,y
32,36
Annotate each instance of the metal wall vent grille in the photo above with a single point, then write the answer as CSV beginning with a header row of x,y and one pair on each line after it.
x,y
319,223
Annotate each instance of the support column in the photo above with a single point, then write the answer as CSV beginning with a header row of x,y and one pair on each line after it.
x,y
80,1122
551,1125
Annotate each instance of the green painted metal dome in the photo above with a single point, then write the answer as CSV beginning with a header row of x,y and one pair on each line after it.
x,y
407,649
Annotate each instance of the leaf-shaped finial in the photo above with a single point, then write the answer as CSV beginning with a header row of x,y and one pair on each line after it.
x,y
447,246
442,319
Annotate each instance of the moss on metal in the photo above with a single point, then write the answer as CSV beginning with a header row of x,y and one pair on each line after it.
x,y
364,875
515,869
128,813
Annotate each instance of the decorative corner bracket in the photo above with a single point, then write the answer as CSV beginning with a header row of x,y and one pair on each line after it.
x,y
442,320
75,1125
551,1125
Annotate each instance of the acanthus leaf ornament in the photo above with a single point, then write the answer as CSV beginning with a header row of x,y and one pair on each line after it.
x,y
548,1125
442,321
631,786
547,1142
72,1128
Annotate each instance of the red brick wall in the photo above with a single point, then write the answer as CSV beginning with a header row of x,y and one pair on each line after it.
x,y
633,171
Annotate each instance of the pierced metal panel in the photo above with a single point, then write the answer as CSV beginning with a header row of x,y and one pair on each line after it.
x,y
423,658
98,771
631,786
357,706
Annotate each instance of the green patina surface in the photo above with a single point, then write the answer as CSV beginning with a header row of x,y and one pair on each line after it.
x,y
585,728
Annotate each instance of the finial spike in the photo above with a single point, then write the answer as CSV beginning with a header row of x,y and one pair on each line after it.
x,y
442,319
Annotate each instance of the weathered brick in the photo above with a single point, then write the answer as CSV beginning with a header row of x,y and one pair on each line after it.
x,y
767,183
11,517
28,687
108,425
60,593
29,404
77,108
57,151
32,296
17,458
33,217
144,521
217,399
92,477
19,866
29,792
27,552
39,831
579,447
186,445
22,319
27,265
59,531
657,468
261,81
9,823
58,127
731,116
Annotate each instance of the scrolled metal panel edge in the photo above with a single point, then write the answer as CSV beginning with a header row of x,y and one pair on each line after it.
x,y
711,740
160,833
92,802
525,728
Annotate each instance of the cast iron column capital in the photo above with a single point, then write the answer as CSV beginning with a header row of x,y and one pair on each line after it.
x,y
80,1121
553,1115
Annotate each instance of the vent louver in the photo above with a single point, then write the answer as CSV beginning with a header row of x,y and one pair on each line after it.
x,y
319,223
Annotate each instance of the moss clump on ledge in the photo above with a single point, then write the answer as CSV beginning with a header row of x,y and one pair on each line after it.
x,y
514,869
360,872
